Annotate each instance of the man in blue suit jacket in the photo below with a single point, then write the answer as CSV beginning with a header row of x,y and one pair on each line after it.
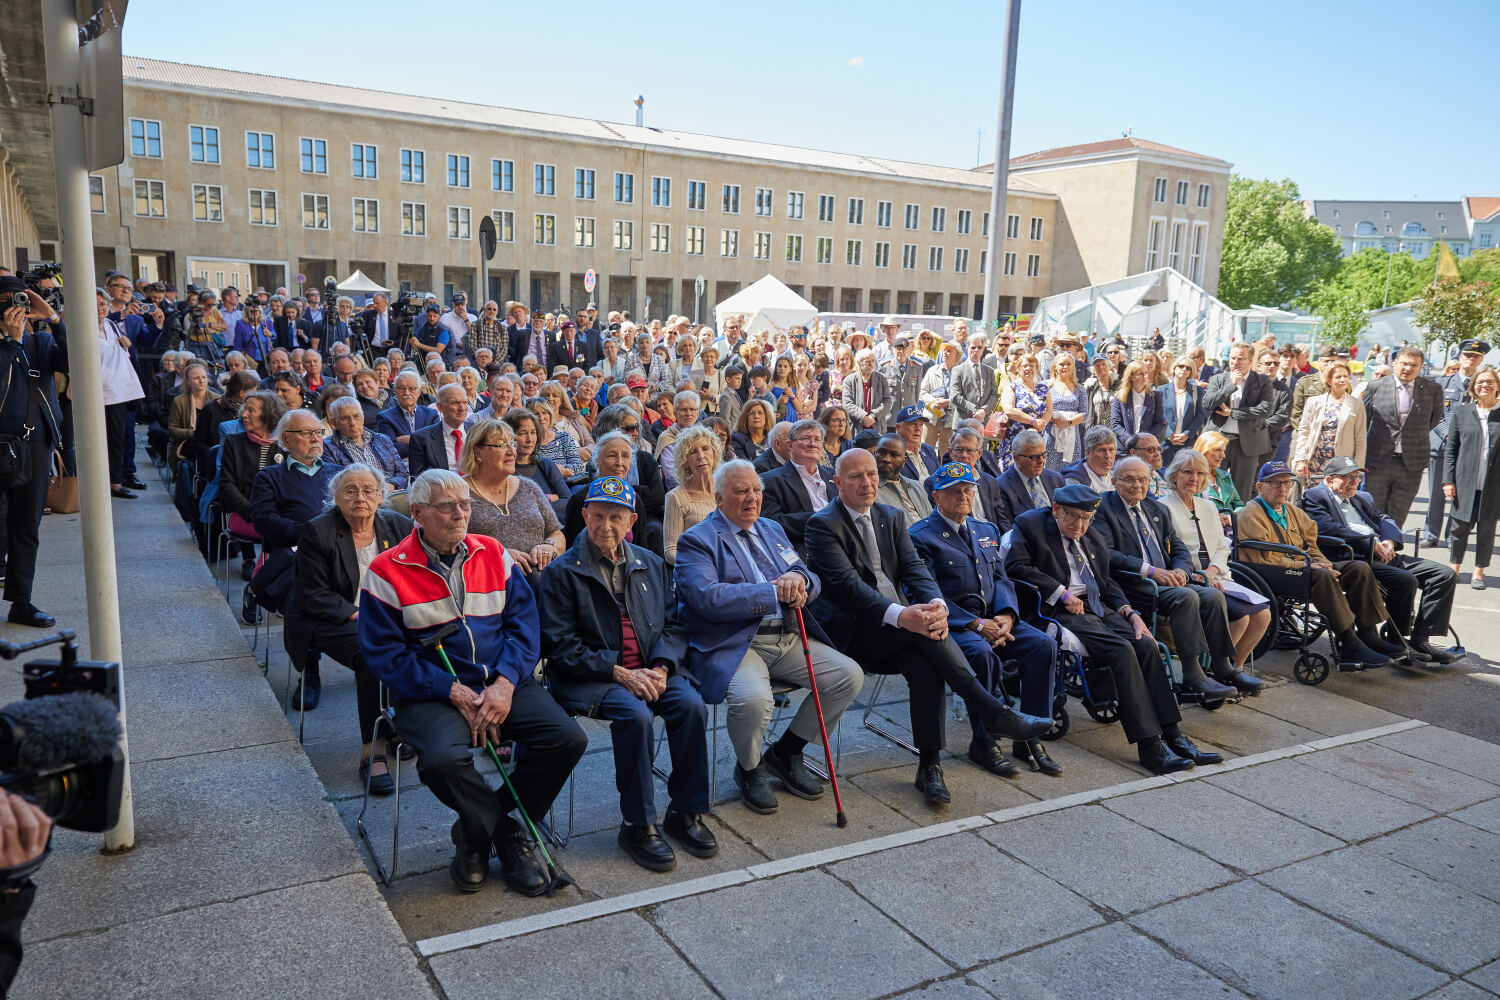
x,y
739,585
963,556
405,416
790,490
1027,481
1341,509
1098,463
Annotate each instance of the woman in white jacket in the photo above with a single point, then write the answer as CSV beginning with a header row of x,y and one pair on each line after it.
x,y
121,388
1333,424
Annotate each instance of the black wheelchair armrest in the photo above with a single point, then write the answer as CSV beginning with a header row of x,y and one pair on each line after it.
x,y
1286,550
1335,548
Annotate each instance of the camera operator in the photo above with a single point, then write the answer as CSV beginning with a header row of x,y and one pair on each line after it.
x,y
457,321
335,328
29,430
25,832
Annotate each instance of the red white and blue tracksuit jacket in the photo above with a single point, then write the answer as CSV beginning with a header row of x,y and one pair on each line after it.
x,y
405,599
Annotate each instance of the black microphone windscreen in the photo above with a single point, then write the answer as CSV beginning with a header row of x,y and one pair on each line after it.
x,y
63,729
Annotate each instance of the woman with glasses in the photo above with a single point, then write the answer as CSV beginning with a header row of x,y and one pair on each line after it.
x,y
509,508
838,433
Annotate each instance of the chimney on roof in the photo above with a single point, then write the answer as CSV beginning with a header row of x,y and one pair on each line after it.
x,y
640,113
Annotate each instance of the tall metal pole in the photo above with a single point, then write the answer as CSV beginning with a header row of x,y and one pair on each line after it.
x,y
996,251
60,27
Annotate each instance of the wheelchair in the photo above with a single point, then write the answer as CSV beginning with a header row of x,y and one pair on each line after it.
x,y
1173,663
1010,677
1090,684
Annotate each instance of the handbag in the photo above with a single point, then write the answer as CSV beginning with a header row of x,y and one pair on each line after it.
x,y
62,489
994,427
15,450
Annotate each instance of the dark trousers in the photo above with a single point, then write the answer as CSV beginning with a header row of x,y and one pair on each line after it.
x,y
927,665
1402,579
553,745
1352,598
1147,703
132,409
631,732
1437,504
23,522
1198,619
1484,537
341,643
1242,467
118,439
1035,656
1393,486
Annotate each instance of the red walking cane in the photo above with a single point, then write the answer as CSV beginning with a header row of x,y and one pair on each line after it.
x,y
812,682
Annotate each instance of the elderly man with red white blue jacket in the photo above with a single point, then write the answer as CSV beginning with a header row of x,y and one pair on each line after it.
x,y
442,575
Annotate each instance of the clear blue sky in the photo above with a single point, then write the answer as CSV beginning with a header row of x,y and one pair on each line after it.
x,y
1350,98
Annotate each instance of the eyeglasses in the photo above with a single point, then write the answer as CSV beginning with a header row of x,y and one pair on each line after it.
x,y
1038,457
631,428
1077,518
356,492
503,446
311,433
447,507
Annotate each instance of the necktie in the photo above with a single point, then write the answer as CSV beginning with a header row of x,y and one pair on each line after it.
x,y
1403,402
762,561
458,446
1202,545
872,549
1147,538
411,419
1034,487
1090,585
867,394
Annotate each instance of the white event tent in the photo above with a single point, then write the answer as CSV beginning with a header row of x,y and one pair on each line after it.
x,y
768,306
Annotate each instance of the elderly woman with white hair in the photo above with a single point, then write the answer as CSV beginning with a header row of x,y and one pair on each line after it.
x,y
352,442
334,551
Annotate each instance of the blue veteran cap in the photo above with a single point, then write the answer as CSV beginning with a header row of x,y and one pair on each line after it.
x,y
952,474
1272,470
907,414
1077,496
611,489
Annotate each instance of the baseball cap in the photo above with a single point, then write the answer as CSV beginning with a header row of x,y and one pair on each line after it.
x,y
1273,470
953,474
910,413
1342,466
611,489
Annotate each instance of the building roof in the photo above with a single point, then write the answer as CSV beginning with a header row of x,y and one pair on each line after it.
x,y
1424,213
161,74
1124,144
1481,207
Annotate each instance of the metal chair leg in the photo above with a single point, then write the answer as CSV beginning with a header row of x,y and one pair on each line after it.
x,y
876,728
394,766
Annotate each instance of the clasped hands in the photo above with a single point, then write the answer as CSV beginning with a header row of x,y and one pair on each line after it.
x,y
930,620
484,712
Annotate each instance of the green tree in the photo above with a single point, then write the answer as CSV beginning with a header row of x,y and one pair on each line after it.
x,y
1273,253
1458,310
1343,315
1362,277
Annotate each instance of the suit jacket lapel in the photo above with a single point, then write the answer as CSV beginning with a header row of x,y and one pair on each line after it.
x,y
348,560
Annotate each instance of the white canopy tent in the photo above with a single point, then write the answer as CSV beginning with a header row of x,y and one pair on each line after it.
x,y
1132,306
768,306
357,282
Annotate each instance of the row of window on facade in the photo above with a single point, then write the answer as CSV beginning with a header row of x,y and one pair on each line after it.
x,y
1159,192
1169,244
260,154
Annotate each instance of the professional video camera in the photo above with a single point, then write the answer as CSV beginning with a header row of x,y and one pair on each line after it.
x,y
51,294
61,746
408,305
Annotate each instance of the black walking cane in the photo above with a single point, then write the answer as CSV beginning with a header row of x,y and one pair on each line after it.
x,y
558,877
812,682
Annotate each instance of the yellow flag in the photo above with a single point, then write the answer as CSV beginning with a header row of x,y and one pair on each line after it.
x,y
1447,265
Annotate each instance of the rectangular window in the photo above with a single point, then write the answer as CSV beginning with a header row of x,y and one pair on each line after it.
x,y
1153,243
825,250
964,219
661,192
262,207
1485,239
939,219
934,258
458,171
1195,260
883,254
260,150
414,166
458,222
825,208
856,211
697,196
695,240
764,198
794,249
583,184
203,144
503,175
314,156
961,261
762,246
1036,227
1159,191
583,232
913,213
1012,227
1033,265
1182,192
984,226
145,138
544,228
984,259
794,204
544,180
908,256
413,218
1009,270
208,203
661,237
624,188
362,160
315,211
854,251
624,234
730,204
1203,191
1176,249
505,225
883,214
96,194
366,215
729,243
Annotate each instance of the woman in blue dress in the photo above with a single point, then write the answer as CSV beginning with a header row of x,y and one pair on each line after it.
x,y
1026,405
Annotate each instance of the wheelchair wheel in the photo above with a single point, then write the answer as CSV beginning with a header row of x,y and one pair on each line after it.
x,y
1315,622
1310,668
1212,706
1107,713
1060,725
1246,577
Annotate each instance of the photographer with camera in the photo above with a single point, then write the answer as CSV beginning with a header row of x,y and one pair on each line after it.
x,y
334,329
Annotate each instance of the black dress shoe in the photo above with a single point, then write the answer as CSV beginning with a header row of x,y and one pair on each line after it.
x,y
470,868
988,755
1158,759
646,847
794,775
133,483
1427,652
29,615
755,789
121,493
689,830
249,610
1371,638
1245,684
1005,723
518,863
1209,689
1036,752
1362,656
930,784
379,784
1184,747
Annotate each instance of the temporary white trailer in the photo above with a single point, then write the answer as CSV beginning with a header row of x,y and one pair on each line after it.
x,y
1186,314
768,306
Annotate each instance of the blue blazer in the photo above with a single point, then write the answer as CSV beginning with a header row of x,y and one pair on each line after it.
x,y
1121,417
919,467
1014,500
961,571
1322,505
721,602
1192,423
393,425
384,447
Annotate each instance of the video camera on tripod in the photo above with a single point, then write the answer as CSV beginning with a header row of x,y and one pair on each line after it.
x,y
359,343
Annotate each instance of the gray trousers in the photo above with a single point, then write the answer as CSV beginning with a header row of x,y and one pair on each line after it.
x,y
780,659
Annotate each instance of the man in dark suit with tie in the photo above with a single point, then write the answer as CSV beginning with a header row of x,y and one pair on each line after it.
x,y
967,446
963,555
1401,412
1054,551
524,336
1143,546
1340,509
405,416
1239,403
870,571
380,327
1028,483
570,349
440,445
800,487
